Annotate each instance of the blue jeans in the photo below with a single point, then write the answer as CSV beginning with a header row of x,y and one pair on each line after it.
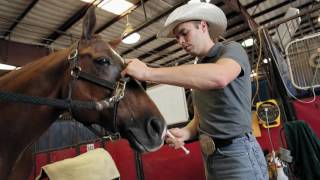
x,y
243,159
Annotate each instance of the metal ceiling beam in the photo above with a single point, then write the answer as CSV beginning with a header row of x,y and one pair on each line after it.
x,y
147,24
20,17
253,3
240,31
304,24
272,8
282,14
308,30
303,30
235,25
267,20
116,19
237,6
272,19
139,45
264,12
77,16
166,55
153,20
293,17
67,24
235,14
160,48
180,61
173,61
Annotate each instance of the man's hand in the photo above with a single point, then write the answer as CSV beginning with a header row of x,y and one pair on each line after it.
x,y
137,69
180,136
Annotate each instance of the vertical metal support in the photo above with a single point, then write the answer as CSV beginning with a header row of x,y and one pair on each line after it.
x,y
280,38
34,159
144,10
280,90
139,166
289,29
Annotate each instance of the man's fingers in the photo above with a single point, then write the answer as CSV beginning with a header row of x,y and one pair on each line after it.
x,y
124,72
169,140
174,142
127,61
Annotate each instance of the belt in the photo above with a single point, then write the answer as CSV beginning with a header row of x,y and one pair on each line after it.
x,y
209,144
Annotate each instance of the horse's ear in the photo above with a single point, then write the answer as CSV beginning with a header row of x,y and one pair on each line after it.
x,y
89,22
115,43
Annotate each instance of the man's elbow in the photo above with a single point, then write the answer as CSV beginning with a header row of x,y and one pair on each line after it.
x,y
214,84
220,83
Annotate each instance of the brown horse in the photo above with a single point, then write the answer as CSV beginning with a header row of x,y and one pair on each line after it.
x,y
136,117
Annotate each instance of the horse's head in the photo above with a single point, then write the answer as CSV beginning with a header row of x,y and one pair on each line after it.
x,y
96,68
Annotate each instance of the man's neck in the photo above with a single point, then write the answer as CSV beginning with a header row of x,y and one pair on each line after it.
x,y
208,46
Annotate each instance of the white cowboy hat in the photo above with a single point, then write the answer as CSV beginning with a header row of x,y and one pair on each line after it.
x,y
208,12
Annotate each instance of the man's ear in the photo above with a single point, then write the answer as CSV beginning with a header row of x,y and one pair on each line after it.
x,y
204,26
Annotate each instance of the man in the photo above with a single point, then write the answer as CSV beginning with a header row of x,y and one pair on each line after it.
x,y
221,93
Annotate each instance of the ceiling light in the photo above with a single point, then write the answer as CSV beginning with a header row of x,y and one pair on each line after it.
x,y
197,1
88,1
132,38
115,6
319,19
247,43
7,67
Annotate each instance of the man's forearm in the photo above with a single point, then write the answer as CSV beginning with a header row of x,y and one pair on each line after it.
x,y
188,76
192,126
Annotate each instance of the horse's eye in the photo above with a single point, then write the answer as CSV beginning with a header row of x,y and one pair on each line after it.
x,y
103,61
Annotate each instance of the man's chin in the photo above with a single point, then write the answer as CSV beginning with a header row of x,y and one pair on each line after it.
x,y
192,53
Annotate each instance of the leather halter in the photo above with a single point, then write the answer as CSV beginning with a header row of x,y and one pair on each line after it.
x,y
118,88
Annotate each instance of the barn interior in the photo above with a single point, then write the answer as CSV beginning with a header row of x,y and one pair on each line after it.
x,y
282,41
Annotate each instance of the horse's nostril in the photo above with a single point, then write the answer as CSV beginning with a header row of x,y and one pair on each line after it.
x,y
154,125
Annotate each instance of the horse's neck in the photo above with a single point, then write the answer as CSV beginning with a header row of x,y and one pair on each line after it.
x,y
27,122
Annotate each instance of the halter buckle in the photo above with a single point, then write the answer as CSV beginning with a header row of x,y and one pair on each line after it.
x,y
73,54
75,71
119,91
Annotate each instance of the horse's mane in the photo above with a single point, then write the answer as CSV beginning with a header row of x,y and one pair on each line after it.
x,y
38,65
